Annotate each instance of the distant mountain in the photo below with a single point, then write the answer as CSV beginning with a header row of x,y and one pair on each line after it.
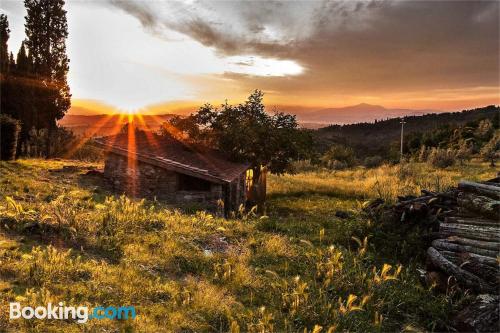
x,y
355,114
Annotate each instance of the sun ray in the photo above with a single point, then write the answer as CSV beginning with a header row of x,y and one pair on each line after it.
x,y
117,122
150,137
131,158
93,130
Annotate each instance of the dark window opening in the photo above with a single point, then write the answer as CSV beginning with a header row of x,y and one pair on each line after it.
x,y
188,183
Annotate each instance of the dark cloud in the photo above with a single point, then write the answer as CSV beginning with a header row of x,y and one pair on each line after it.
x,y
347,46
140,10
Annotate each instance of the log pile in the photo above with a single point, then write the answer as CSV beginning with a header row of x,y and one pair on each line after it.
x,y
467,244
462,226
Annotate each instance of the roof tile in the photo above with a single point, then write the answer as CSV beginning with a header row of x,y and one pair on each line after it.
x,y
170,152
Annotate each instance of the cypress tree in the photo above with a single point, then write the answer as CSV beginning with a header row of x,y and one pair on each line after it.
x,y
6,63
12,63
46,31
22,62
4,38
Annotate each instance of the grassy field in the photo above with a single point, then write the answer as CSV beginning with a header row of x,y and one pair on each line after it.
x,y
64,238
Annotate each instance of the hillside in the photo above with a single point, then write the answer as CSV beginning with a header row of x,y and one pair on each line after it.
x,y
382,137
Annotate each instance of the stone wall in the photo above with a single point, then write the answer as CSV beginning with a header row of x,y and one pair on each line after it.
x,y
143,180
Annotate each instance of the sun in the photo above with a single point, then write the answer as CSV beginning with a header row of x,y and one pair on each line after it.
x,y
132,111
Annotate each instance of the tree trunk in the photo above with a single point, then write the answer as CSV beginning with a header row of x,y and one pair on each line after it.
x,y
472,221
415,200
480,316
443,244
466,256
484,233
258,189
492,246
482,205
49,140
481,189
463,277
474,265
262,180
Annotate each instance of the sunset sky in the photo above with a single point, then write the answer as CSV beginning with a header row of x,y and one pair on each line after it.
x,y
158,56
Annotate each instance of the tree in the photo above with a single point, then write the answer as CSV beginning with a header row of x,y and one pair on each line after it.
x,y
491,150
247,133
7,66
4,62
23,61
46,31
17,89
4,38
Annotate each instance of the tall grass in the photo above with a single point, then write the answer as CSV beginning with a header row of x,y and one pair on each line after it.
x,y
64,238
386,181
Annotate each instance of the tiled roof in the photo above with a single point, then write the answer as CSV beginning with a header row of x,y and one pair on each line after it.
x,y
172,154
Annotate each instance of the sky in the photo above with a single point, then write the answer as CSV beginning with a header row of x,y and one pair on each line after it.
x,y
162,56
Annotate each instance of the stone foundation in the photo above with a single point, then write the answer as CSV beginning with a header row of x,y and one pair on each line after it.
x,y
143,180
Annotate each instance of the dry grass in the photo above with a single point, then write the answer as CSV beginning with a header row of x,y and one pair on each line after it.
x,y
386,182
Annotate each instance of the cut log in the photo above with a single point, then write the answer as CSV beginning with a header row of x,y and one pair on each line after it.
x,y
495,180
463,277
419,199
485,233
472,221
482,205
443,244
487,273
493,246
467,256
481,189
450,195
426,192
480,316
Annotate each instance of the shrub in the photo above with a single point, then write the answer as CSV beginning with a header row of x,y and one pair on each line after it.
x,y
337,165
464,151
338,157
441,158
423,153
86,152
9,132
491,151
484,130
373,161
302,166
63,141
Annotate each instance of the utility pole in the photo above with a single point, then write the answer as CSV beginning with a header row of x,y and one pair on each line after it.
x,y
403,122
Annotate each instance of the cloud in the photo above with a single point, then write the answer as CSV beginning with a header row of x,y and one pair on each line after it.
x,y
346,47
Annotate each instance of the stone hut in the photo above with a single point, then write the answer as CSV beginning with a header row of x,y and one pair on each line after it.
x,y
144,164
